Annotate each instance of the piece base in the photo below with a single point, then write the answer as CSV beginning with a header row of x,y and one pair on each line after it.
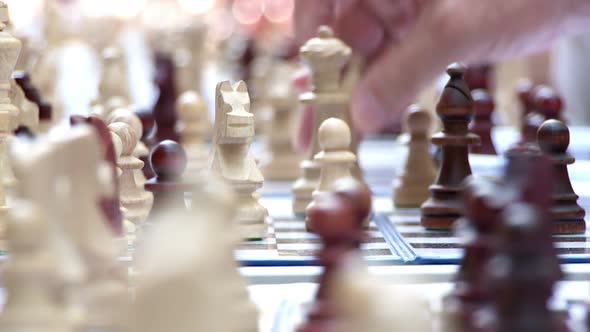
x,y
569,226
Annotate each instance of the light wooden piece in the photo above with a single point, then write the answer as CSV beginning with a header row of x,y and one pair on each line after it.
x,y
9,50
190,55
326,56
114,81
128,227
134,198
30,275
410,188
232,160
192,127
192,283
335,159
126,116
281,161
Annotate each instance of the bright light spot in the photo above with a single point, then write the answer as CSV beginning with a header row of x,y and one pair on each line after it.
x,y
279,11
221,24
248,11
22,12
196,6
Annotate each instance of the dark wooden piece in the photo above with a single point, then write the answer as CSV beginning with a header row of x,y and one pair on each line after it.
x,y
568,216
147,121
455,109
478,77
548,103
111,206
471,294
164,111
482,123
168,160
337,218
32,94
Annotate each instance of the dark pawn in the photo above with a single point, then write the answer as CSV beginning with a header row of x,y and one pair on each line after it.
x,y
568,217
482,123
455,109
478,77
111,206
471,295
164,111
168,160
528,129
337,218
548,103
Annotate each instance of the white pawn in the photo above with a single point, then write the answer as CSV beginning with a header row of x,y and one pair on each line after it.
x,y
128,227
335,158
126,116
30,275
419,172
134,198
193,126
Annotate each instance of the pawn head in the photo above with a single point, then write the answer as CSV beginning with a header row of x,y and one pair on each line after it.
x,y
547,99
129,138
418,120
168,160
483,102
190,104
553,137
334,134
126,116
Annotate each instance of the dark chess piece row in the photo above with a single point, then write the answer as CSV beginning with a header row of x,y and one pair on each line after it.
x,y
455,109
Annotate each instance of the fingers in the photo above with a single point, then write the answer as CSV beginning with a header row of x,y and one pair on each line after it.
x,y
309,15
397,17
305,133
357,27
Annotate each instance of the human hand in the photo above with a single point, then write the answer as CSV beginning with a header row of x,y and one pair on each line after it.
x,y
409,42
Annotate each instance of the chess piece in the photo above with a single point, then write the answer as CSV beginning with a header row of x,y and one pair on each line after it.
x,y
164,111
419,172
521,280
482,123
110,205
113,82
147,121
528,132
190,55
471,295
478,77
548,103
10,48
568,216
141,150
337,218
31,92
326,56
193,283
455,109
281,161
30,275
232,160
134,198
192,129
168,161
129,229
335,159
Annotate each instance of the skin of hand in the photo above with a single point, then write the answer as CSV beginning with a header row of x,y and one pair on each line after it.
x,y
407,43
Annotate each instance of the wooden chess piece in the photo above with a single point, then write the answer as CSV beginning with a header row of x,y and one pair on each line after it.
x,y
164,111
326,56
113,82
455,108
335,158
483,122
168,161
190,55
337,218
147,121
524,90
110,205
30,274
232,160
419,172
192,128
10,48
28,115
568,216
281,161
478,77
548,103
471,295
141,151
134,198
